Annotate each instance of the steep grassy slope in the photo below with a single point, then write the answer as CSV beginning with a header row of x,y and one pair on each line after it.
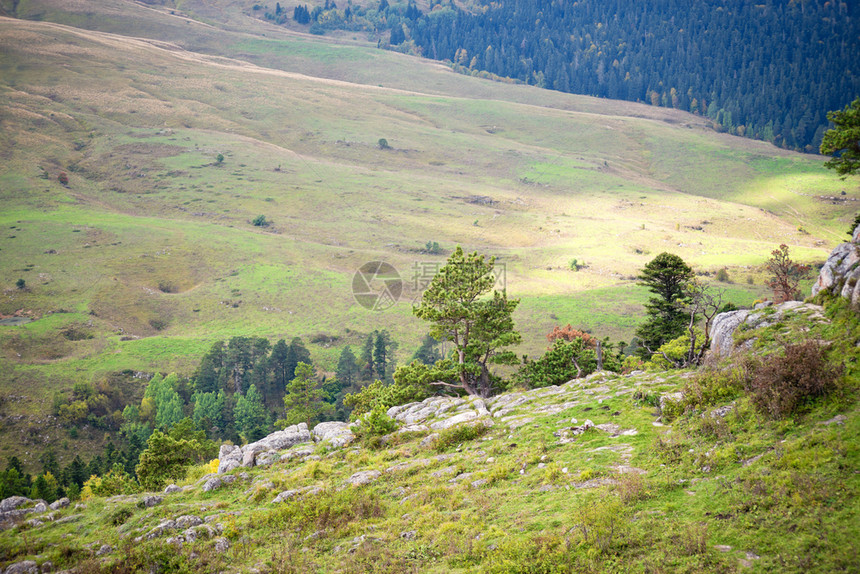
x,y
149,254
722,488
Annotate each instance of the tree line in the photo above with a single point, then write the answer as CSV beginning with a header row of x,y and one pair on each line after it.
x,y
764,70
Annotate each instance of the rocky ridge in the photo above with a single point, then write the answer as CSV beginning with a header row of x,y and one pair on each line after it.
x,y
840,274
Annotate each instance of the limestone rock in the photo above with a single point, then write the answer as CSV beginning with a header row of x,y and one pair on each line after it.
x,y
285,495
188,521
25,567
281,440
429,439
456,419
228,465
150,501
171,488
222,545
722,331
725,324
104,549
213,483
229,457
58,504
363,477
839,275
248,457
267,458
669,397
337,434
298,453
12,503
160,529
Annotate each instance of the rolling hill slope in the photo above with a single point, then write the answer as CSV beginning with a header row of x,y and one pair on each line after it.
x,y
149,254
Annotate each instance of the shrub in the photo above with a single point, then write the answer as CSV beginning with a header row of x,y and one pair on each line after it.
x,y
713,387
21,284
631,487
723,275
564,361
785,275
601,524
328,510
693,539
411,383
374,425
260,221
120,516
167,456
460,434
63,178
543,554
675,353
383,144
432,247
782,385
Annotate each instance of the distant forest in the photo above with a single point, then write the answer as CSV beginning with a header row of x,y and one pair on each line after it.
x,y
769,69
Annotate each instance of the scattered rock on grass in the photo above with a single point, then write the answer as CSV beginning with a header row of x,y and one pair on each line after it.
x,y
336,434
150,501
211,484
25,567
363,477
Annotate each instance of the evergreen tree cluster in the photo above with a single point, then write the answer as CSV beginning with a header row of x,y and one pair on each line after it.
x,y
765,69
374,18
56,481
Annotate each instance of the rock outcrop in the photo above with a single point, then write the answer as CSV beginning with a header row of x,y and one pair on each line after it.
x,y
336,434
263,451
725,325
841,273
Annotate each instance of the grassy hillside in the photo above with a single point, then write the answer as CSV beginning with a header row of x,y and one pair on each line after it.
x,y
149,254
718,486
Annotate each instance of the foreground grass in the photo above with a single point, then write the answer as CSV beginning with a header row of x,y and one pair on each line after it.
x,y
757,495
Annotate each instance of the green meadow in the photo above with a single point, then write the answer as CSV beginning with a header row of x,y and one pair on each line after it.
x,y
149,254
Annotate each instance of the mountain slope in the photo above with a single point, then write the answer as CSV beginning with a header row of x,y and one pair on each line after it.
x,y
589,476
149,254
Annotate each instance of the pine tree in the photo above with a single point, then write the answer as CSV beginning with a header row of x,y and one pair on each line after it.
x,y
207,375
365,360
428,353
667,277
250,413
347,368
843,141
297,353
479,328
381,348
304,402
278,362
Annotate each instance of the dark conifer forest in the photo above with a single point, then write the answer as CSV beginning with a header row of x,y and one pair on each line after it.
x,y
768,70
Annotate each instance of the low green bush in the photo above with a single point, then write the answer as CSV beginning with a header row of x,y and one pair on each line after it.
x,y
460,434
374,425
328,510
